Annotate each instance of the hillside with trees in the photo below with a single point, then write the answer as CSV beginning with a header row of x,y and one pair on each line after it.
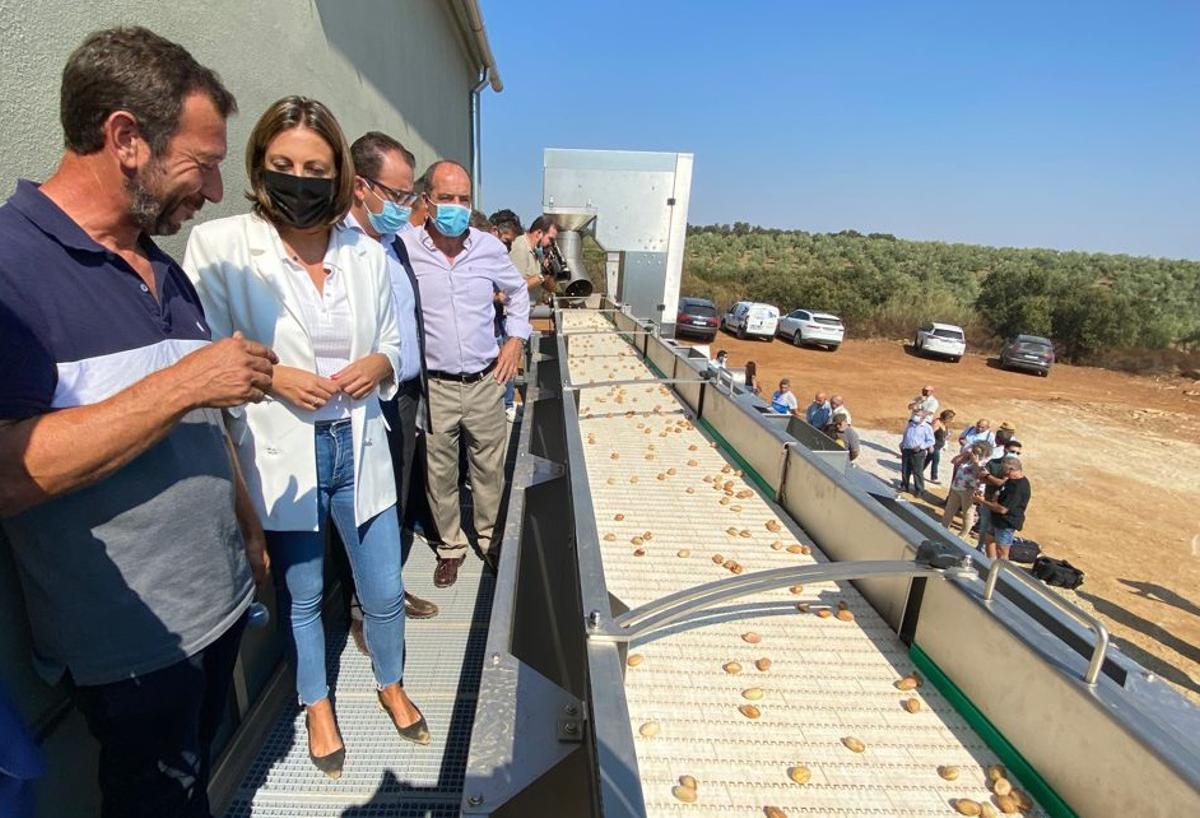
x,y
1099,308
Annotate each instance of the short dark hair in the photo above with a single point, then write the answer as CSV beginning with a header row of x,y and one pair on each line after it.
x,y
506,220
369,149
542,224
283,115
480,222
132,69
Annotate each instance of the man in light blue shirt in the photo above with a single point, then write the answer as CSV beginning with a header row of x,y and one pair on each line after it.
x,y
915,446
819,412
382,198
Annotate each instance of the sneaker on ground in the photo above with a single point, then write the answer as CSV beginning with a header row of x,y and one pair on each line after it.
x,y
511,414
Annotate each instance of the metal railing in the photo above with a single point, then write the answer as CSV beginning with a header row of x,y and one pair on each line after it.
x,y
1098,650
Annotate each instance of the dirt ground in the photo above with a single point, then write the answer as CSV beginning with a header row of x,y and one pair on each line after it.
x,y
1114,461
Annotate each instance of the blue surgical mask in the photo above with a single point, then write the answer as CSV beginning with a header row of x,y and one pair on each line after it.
x,y
391,219
452,220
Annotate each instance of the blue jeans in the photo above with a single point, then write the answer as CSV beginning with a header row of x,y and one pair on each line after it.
x,y
298,565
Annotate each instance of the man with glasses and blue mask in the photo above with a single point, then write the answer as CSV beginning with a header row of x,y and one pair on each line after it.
x,y
458,269
383,200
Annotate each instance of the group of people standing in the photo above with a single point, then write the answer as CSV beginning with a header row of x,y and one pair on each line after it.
x,y
170,435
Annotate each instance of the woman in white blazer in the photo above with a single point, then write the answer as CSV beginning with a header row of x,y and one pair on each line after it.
x,y
316,449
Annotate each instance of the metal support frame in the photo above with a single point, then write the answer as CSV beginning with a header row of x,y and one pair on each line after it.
x,y
673,607
1098,650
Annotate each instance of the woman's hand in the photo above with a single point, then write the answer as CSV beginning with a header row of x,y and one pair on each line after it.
x,y
361,377
301,389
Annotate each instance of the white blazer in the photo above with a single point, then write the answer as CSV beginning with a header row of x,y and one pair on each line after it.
x,y
236,267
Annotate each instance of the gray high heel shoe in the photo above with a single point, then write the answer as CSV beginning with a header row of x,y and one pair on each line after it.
x,y
417,732
331,764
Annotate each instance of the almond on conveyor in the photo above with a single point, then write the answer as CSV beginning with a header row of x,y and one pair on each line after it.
x,y
660,476
845,615
635,659
763,664
774,812
633,478
728,564
1001,786
745,534
796,589
800,774
995,772
726,469
639,552
824,613
712,444
908,682
773,526
707,478
685,794
752,694
853,745
690,490
1023,801
948,772
683,552
724,501
1007,804
736,509
732,667
689,781
717,559
743,494
731,531
736,568
727,485
693,463
650,456
795,549
618,517
777,545
693,447
911,705
650,729
965,806
752,638
749,711
986,810
802,607
672,471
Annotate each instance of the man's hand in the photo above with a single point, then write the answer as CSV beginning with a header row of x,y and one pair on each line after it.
x,y
230,372
301,389
549,283
257,556
360,378
509,360
500,297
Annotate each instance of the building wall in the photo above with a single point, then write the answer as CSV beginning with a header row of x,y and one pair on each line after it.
x,y
400,66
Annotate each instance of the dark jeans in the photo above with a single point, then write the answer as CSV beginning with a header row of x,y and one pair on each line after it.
x,y
934,460
401,415
155,733
912,464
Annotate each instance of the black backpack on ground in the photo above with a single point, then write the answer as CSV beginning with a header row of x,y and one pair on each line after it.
x,y
1024,551
1058,573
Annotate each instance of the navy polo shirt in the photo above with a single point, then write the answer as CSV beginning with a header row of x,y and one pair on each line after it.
x,y
146,567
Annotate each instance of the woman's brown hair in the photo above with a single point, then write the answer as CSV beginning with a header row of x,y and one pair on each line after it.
x,y
299,112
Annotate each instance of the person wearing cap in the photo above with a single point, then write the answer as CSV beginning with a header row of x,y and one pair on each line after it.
x,y
915,446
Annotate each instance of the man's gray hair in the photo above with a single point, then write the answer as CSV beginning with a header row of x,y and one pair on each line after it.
x,y
1012,462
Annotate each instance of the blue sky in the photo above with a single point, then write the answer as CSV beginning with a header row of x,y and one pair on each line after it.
x,y
1073,125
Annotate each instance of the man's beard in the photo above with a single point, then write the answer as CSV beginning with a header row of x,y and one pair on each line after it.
x,y
149,208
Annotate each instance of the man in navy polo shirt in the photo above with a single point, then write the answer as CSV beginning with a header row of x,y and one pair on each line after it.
x,y
129,524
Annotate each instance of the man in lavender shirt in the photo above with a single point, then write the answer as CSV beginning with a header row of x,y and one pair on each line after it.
x,y
458,269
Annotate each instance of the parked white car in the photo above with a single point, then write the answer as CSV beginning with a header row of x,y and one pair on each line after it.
x,y
749,319
945,340
809,327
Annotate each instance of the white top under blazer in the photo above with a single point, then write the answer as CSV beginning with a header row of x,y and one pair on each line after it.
x,y
238,268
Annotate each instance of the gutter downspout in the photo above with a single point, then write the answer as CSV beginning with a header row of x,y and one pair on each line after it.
x,y
477,138
488,73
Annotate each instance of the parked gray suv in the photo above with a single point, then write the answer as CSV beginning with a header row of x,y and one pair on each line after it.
x,y
1029,352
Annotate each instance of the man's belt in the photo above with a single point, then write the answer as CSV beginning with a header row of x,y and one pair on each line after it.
x,y
461,377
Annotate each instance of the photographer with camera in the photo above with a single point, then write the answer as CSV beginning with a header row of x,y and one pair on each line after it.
x,y
529,255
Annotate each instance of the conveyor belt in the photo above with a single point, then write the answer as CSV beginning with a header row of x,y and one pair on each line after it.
x,y
828,679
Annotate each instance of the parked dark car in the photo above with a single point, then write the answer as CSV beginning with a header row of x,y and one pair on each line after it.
x,y
697,317
1029,352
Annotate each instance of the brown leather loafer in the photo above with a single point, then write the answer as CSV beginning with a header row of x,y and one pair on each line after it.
x,y
417,608
446,573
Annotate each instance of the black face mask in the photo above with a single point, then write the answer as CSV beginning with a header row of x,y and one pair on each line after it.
x,y
302,201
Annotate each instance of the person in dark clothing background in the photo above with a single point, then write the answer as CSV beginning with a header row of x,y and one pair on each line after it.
x,y
1008,509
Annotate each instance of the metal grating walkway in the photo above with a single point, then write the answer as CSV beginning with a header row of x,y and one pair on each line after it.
x,y
386,777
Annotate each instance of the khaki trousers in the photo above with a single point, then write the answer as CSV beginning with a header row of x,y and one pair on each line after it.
x,y
959,500
474,411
